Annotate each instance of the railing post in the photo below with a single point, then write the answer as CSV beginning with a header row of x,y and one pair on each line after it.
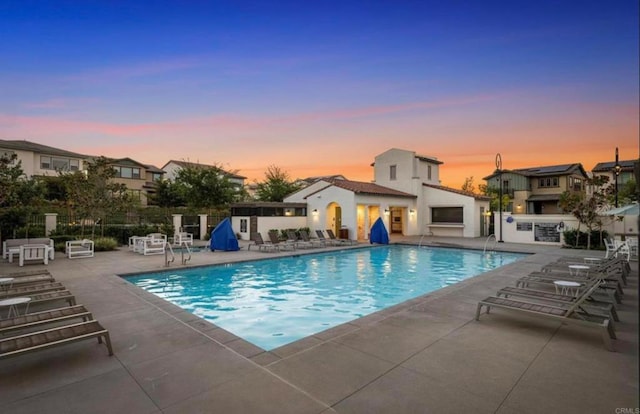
x,y
203,226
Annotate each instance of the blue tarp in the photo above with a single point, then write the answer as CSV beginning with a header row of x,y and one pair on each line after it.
x,y
379,233
223,237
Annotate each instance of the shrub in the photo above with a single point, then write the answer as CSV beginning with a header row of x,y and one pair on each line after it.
x,y
103,244
596,242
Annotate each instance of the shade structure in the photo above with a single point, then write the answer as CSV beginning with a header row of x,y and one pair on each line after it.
x,y
379,233
223,237
628,210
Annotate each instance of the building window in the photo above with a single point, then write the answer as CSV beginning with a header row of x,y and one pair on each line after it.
x,y
58,164
447,215
243,225
392,172
156,176
548,182
428,172
127,172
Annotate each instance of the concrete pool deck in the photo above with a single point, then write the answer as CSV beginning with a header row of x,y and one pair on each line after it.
x,y
424,355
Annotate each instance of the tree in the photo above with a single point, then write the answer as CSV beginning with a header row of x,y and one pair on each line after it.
x,y
494,193
205,187
468,185
20,196
94,194
276,186
167,194
586,209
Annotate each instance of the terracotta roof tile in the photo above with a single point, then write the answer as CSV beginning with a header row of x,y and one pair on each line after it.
x,y
461,192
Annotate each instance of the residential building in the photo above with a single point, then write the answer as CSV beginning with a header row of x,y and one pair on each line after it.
x,y
42,160
625,172
537,190
138,177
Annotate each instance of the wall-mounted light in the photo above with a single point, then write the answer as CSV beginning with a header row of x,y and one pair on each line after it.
x,y
315,212
412,212
519,207
386,211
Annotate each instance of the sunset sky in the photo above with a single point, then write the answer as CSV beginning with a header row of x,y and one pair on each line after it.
x,y
322,87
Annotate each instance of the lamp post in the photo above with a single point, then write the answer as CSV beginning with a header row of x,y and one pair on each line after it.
x,y
616,171
499,168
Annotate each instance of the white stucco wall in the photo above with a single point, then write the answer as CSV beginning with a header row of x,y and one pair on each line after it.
x,y
471,213
511,234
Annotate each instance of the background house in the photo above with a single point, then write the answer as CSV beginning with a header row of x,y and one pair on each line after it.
x,y
42,160
537,190
138,178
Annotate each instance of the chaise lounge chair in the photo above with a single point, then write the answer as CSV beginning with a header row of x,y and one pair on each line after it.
x,y
332,236
38,319
31,289
565,314
593,305
327,241
61,335
293,239
259,242
307,239
275,241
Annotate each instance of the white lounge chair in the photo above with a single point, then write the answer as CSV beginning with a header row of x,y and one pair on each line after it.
x,y
76,249
34,252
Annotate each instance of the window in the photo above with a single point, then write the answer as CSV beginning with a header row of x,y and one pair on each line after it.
x,y
243,225
45,163
392,172
58,164
156,176
575,183
127,172
447,215
548,182
428,172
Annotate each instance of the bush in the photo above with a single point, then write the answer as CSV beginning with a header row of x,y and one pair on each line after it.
x,y
596,242
104,244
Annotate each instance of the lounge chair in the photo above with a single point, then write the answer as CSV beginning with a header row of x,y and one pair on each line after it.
x,y
566,314
153,246
327,241
30,278
61,335
599,307
38,319
259,242
51,296
307,239
293,239
76,249
332,236
275,241
31,289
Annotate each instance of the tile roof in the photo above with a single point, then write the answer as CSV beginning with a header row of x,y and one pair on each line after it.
x,y
360,187
455,190
22,145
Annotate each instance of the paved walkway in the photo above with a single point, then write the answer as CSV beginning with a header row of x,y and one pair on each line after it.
x,y
425,355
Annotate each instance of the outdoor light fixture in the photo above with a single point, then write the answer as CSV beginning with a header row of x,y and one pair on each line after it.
x,y
386,211
412,212
315,212
617,168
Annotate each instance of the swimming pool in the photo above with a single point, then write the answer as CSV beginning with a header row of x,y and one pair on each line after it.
x,y
273,302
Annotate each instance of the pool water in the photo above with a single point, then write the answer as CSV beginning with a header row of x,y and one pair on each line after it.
x,y
273,302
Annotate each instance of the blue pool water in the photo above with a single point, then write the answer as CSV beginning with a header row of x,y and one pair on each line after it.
x,y
277,301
